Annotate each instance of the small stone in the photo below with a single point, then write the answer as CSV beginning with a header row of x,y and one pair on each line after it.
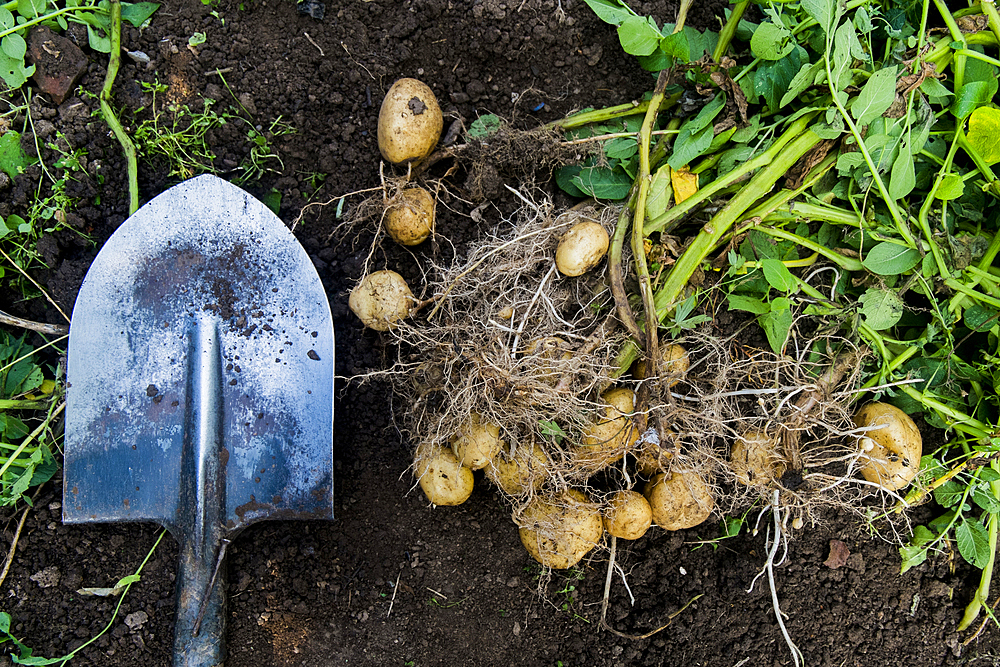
x,y
47,578
136,620
839,553
59,63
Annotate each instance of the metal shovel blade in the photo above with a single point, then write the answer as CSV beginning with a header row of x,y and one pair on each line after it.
x,y
200,387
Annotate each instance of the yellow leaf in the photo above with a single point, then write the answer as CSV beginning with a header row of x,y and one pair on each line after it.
x,y
685,184
984,133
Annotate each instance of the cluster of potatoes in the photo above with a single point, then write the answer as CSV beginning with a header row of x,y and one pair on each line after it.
x,y
558,529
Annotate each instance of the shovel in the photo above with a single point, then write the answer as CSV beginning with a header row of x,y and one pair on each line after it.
x,y
200,388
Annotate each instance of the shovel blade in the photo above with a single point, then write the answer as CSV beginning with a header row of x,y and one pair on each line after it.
x,y
202,282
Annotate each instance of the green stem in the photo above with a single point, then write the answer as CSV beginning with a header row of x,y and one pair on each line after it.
x,y
925,209
957,420
109,115
729,30
958,66
990,10
844,262
982,594
609,113
15,404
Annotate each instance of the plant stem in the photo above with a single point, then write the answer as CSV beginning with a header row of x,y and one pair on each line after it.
x,y
843,261
609,113
729,30
128,147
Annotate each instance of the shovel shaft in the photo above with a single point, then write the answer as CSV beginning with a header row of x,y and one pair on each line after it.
x,y
201,581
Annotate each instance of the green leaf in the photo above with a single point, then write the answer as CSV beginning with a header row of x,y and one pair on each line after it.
x,y
610,11
621,149
484,126
984,133
985,499
972,95
949,494
771,41
802,80
139,12
603,183
903,177
14,46
97,41
773,77
915,552
845,46
6,19
706,115
639,36
748,303
777,323
31,9
564,179
881,309
821,11
931,87
980,318
14,72
660,189
973,542
687,147
951,187
876,97
13,160
890,259
778,276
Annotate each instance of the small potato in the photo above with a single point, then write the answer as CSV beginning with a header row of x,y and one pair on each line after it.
x,y
443,479
477,444
581,248
559,530
520,474
675,363
754,459
654,457
409,122
381,299
409,219
548,352
628,515
606,441
679,500
893,449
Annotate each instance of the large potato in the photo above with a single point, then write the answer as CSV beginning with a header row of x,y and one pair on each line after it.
x,y
679,500
477,443
581,248
381,299
409,218
409,122
522,473
443,479
893,449
755,460
607,440
628,515
559,530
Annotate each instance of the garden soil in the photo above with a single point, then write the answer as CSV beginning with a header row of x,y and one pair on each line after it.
x,y
393,581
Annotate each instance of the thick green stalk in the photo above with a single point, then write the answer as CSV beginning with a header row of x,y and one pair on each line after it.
x,y
729,30
609,113
109,115
670,218
844,262
778,165
983,592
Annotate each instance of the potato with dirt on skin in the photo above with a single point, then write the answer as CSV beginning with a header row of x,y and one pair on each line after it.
x,y
560,530
581,248
755,460
520,474
628,515
892,449
679,500
409,122
443,479
381,299
409,217
477,443
607,440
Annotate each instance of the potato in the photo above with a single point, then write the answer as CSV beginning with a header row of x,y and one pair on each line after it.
x,y
606,441
477,443
443,479
409,218
893,449
549,351
581,248
675,362
628,515
409,122
381,299
654,457
679,500
755,460
521,474
559,530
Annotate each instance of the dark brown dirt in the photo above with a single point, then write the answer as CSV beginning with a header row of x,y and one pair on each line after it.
x,y
393,581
